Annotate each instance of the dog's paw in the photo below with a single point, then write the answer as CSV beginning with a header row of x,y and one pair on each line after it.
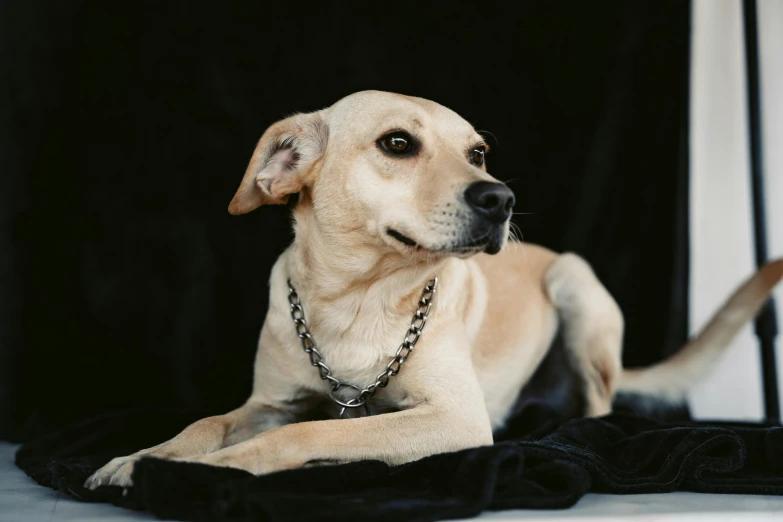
x,y
116,473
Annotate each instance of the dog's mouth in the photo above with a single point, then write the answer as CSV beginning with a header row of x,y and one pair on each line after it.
x,y
475,243
399,236
486,242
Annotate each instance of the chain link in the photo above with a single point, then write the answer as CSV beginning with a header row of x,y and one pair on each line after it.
x,y
392,368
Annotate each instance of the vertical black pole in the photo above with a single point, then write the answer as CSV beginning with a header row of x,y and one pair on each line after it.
x,y
766,325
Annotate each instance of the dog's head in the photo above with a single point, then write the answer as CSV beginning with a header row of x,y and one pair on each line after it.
x,y
399,173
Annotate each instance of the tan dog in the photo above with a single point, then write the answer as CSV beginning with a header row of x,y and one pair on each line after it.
x,y
392,191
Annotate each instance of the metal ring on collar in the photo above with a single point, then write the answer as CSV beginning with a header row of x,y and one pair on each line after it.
x,y
352,403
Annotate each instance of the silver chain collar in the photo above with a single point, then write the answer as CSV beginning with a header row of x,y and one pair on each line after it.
x,y
392,369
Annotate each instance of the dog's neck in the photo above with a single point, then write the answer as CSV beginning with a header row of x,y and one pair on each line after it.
x,y
341,273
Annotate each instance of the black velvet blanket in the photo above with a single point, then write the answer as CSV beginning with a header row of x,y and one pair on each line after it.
x,y
550,467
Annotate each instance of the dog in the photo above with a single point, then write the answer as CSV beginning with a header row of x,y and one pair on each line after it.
x,y
388,193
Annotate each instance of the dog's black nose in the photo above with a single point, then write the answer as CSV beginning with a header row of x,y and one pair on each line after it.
x,y
492,201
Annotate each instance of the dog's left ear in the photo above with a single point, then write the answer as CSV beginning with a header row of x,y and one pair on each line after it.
x,y
282,162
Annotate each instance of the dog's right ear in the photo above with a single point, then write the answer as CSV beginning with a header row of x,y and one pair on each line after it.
x,y
282,162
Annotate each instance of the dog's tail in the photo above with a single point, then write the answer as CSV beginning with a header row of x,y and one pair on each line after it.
x,y
671,379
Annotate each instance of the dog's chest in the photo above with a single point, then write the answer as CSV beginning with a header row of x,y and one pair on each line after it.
x,y
359,353
356,341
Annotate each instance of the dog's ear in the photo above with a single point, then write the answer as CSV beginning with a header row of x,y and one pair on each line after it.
x,y
282,162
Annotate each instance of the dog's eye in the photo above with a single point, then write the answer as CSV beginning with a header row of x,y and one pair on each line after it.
x,y
477,156
397,142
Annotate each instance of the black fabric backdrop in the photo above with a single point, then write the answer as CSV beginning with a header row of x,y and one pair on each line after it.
x,y
126,129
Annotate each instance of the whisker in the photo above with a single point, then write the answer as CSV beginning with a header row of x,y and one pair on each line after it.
x,y
482,132
515,232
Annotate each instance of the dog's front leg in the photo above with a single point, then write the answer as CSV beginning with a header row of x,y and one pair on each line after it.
x,y
200,438
442,410
394,438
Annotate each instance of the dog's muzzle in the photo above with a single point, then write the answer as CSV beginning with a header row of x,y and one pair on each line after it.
x,y
491,204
